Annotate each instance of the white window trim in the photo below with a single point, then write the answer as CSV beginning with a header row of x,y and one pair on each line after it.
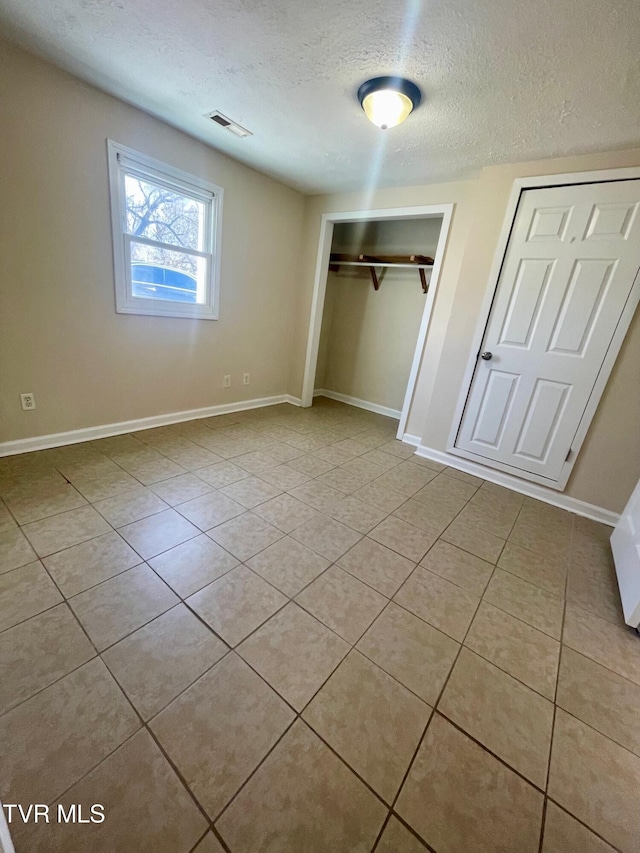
x,y
119,156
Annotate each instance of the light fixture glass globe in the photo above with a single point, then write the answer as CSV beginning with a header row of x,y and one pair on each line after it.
x,y
387,101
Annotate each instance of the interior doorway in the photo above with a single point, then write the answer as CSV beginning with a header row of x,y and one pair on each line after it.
x,y
369,251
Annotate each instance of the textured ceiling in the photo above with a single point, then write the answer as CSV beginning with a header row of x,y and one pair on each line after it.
x,y
502,80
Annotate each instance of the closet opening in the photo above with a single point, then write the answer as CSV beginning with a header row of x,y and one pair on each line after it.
x,y
376,278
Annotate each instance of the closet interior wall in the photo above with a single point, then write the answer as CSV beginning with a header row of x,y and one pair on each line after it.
x,y
368,337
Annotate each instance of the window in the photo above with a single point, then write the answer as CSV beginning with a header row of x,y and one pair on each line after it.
x,y
166,237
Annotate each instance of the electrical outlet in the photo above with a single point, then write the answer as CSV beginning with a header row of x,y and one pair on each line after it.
x,y
245,379
227,381
28,401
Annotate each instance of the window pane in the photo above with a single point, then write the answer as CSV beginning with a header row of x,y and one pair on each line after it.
x,y
164,215
163,274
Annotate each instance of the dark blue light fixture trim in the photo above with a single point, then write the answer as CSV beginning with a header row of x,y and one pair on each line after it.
x,y
398,84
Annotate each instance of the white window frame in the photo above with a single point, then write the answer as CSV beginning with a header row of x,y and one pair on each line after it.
x,y
123,161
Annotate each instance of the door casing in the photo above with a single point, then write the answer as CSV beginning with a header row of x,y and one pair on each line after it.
x,y
521,184
327,221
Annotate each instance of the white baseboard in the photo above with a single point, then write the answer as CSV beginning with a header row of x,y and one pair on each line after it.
x,y
411,439
360,404
75,436
532,490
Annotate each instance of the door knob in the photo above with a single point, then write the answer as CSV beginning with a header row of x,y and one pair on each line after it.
x,y
487,356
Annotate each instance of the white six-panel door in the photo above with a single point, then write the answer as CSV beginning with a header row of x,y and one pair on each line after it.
x,y
570,265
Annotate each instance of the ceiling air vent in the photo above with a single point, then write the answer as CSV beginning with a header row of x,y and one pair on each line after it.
x,y
228,124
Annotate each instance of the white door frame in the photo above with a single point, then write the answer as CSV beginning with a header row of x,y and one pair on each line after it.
x,y
519,185
428,211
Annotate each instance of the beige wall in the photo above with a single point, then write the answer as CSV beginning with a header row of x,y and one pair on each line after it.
x,y
59,334
609,464
368,337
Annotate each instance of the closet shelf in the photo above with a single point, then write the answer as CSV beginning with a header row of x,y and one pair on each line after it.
x,y
418,262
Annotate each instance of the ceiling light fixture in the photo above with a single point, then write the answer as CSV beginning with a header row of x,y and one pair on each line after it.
x,y
387,101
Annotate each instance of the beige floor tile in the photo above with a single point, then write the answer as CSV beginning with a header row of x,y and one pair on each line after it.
x,y
527,602
190,455
38,652
370,720
7,521
342,602
284,476
285,512
442,497
318,495
236,604
595,591
132,506
439,602
282,452
209,844
246,535
381,459
294,653
564,834
326,537
485,545
104,485
251,491
404,538
344,480
115,608
601,698
25,592
335,455
365,468
396,838
412,651
547,570
89,563
458,797
210,510
406,478
495,519
219,730
15,550
153,471
64,530
154,815
459,567
192,565
596,780
302,792
446,484
311,465
381,496
57,736
508,718
160,660
151,536
433,518
288,565
398,448
180,489
538,533
377,566
357,514
33,507
499,494
222,474
462,475
613,646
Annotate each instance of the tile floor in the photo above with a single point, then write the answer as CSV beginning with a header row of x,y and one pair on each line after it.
x,y
280,630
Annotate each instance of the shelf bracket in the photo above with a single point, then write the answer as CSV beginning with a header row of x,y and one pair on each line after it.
x,y
374,278
423,281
